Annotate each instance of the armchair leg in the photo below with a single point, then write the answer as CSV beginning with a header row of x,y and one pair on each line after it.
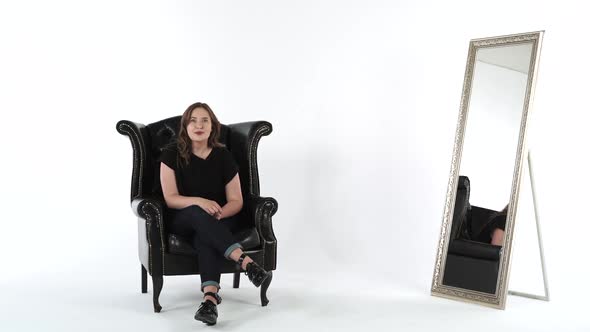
x,y
143,280
158,282
264,288
237,277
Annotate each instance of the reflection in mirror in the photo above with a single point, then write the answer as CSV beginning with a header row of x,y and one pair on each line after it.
x,y
489,146
488,152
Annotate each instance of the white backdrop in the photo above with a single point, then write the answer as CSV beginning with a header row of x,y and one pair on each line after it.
x,y
363,97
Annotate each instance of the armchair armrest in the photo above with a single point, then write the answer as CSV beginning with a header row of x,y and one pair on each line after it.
x,y
260,210
475,249
148,207
151,209
244,138
137,133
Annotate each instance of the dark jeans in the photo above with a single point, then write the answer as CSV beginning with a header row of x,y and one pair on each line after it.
x,y
212,238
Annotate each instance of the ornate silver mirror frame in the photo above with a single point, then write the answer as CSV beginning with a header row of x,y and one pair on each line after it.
x,y
497,299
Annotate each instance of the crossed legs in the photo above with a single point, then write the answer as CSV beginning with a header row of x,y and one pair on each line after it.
x,y
214,241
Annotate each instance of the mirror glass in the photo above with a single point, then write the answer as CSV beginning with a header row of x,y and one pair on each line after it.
x,y
487,161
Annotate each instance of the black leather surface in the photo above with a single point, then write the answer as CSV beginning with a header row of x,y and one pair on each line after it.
x,y
243,138
461,208
475,249
470,264
180,245
248,238
162,253
471,273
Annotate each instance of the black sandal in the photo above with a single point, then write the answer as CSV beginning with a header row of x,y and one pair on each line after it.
x,y
241,260
215,295
207,312
255,273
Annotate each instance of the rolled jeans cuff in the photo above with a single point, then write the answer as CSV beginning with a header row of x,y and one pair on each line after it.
x,y
231,248
210,283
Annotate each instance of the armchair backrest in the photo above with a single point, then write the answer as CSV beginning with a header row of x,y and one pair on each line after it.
x,y
462,207
148,142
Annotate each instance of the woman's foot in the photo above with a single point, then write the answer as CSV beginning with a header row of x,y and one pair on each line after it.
x,y
255,273
207,312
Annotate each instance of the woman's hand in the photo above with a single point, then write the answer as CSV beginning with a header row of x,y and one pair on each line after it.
x,y
209,206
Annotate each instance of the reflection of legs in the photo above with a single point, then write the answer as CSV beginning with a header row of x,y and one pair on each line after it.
x,y
498,237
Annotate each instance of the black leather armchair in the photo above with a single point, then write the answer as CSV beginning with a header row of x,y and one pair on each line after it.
x,y
470,264
164,254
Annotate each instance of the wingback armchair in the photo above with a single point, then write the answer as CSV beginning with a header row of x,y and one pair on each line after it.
x,y
470,264
162,253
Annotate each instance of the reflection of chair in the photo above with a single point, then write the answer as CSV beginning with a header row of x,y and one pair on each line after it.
x,y
470,264
162,253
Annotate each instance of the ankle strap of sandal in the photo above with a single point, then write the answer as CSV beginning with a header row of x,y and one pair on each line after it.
x,y
241,259
215,295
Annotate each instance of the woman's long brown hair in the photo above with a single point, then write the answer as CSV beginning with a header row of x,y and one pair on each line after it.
x,y
184,141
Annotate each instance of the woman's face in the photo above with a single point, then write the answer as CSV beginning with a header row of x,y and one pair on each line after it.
x,y
199,125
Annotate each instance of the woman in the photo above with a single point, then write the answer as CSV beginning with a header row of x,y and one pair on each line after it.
x,y
492,230
497,225
201,187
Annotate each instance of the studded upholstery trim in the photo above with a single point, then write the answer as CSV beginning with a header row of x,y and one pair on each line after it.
x,y
263,130
132,130
265,208
160,225
253,131
152,210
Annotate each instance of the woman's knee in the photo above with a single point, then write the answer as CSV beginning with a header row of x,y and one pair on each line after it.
x,y
190,215
195,211
197,214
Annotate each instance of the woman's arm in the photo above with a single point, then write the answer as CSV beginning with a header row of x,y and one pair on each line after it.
x,y
176,201
233,194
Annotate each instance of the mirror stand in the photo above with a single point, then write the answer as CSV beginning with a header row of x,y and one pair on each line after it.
x,y
543,268
497,93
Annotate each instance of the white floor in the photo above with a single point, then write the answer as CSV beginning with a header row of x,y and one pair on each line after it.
x,y
328,302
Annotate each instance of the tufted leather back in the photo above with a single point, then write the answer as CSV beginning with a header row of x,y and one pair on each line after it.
x,y
462,207
162,134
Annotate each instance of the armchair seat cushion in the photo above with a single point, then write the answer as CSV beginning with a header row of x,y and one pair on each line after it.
x,y
179,245
475,250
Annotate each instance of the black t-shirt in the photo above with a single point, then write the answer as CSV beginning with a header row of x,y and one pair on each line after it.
x,y
204,178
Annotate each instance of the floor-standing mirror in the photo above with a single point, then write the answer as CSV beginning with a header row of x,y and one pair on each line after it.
x,y
473,255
